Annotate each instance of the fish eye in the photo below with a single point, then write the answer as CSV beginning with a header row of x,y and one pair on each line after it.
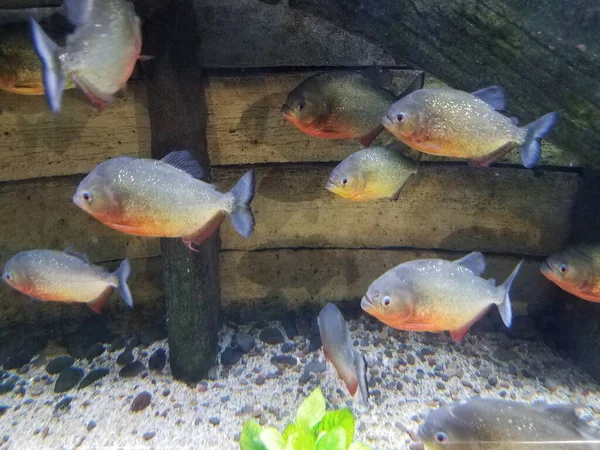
x,y
344,181
300,106
8,276
401,117
87,196
386,300
441,437
563,268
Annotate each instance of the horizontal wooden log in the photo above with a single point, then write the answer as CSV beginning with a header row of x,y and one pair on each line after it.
x,y
451,207
245,125
36,143
41,214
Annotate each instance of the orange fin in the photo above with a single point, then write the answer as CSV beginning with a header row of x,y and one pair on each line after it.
x,y
205,232
99,102
99,303
352,385
458,335
492,157
371,135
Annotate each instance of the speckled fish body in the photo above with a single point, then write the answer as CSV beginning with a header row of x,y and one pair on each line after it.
x,y
371,174
437,295
493,424
147,197
99,56
338,348
449,122
20,66
339,105
576,270
67,277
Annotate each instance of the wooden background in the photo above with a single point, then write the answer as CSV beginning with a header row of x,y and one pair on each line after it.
x,y
309,247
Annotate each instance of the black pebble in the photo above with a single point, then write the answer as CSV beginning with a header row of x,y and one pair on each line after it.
x,y
141,401
92,377
8,385
60,363
410,359
151,335
118,343
64,403
132,369
149,435
286,347
91,425
271,336
284,360
125,358
315,343
215,420
245,343
68,378
19,359
95,350
289,326
231,356
158,360
3,409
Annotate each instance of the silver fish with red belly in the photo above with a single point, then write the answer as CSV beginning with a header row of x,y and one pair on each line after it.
x,y
449,122
99,56
166,198
438,295
67,277
338,348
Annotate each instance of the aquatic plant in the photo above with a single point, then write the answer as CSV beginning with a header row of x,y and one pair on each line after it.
x,y
314,428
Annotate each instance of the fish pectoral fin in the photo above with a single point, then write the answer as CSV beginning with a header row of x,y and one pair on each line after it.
x,y
98,304
100,101
366,140
207,230
129,229
458,335
492,157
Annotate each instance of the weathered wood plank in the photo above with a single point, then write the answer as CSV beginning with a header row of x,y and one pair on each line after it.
x,y
262,282
37,143
452,207
245,125
41,214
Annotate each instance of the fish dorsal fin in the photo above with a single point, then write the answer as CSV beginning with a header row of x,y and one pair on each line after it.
x,y
78,11
474,261
82,256
414,85
493,96
184,160
381,76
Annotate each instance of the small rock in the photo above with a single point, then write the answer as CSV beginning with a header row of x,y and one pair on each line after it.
x,y
141,401
158,360
148,435
315,343
315,366
91,425
410,359
284,360
64,403
60,363
9,385
551,385
289,326
45,431
230,356
286,347
118,343
245,343
440,385
132,369
126,357
94,351
214,420
506,355
493,381
271,336
3,409
467,383
260,380
68,379
92,377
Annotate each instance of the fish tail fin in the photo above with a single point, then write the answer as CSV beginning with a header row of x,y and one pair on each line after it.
x,y
243,193
531,150
360,365
54,77
504,305
123,273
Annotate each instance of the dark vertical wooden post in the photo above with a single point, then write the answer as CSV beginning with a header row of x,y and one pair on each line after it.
x,y
177,110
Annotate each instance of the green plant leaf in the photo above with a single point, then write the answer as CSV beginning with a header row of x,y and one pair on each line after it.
x,y
250,437
311,411
272,439
301,440
359,446
289,429
334,439
340,418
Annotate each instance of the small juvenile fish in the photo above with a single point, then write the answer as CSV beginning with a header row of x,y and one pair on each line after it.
x,y
338,348
495,424
342,105
20,66
166,198
576,270
67,276
438,295
371,174
448,122
99,56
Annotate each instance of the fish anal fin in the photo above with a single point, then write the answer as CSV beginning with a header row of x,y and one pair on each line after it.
x,y
100,302
459,334
366,140
99,102
492,157
207,230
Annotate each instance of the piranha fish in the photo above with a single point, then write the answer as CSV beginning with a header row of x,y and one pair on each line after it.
x,y
349,363
438,295
66,276
166,198
20,66
496,424
343,105
576,270
99,56
371,174
448,122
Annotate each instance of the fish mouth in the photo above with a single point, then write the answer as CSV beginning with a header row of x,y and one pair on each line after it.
x,y
547,270
287,112
330,185
387,122
77,200
367,304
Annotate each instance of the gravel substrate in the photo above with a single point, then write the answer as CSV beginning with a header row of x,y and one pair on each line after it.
x,y
134,406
